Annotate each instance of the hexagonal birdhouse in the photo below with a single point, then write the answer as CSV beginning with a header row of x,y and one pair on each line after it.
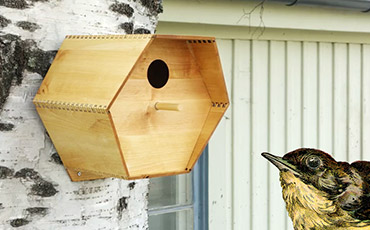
x,y
132,106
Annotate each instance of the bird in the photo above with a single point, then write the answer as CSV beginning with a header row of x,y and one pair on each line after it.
x,y
323,194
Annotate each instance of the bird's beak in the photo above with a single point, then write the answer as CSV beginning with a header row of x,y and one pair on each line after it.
x,y
280,163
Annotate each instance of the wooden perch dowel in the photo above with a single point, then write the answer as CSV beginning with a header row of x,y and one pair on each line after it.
x,y
167,106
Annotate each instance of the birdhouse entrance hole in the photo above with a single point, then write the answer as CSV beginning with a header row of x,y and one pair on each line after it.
x,y
158,74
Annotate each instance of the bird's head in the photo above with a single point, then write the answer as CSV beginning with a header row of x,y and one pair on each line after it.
x,y
312,180
311,166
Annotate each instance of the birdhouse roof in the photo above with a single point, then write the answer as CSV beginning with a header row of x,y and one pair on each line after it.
x,y
89,70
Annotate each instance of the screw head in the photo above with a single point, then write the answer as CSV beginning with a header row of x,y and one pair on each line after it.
x,y
78,173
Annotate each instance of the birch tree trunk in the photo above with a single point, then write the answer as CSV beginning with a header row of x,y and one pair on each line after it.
x,y
35,190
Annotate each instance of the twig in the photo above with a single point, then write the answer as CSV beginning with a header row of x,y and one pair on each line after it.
x,y
247,15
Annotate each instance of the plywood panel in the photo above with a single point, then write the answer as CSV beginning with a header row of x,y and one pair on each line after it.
x,y
85,141
170,135
175,53
88,70
184,72
160,160
207,57
214,116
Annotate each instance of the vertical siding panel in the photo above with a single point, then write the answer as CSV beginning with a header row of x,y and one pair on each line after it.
x,y
294,82
285,97
310,91
277,131
220,147
366,102
340,102
259,134
325,97
241,149
294,112
354,100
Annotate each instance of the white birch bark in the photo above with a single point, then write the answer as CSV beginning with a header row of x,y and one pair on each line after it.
x,y
35,190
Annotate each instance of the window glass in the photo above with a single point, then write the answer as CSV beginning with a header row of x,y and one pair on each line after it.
x,y
171,190
181,220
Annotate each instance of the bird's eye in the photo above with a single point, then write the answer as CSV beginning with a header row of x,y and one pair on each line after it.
x,y
314,162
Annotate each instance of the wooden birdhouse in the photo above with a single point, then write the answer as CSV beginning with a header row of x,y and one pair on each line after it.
x,y
132,106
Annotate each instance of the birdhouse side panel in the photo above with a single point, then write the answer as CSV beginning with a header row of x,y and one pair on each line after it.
x,y
84,140
159,141
158,154
175,53
210,125
130,42
88,70
207,57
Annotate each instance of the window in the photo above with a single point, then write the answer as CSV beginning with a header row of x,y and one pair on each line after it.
x,y
180,202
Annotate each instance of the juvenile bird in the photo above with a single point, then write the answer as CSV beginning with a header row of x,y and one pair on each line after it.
x,y
323,194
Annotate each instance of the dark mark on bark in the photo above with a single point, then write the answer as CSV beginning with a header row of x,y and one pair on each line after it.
x,y
154,6
27,173
88,190
38,61
56,158
16,56
131,185
40,187
142,31
5,172
37,211
39,0
17,4
6,127
122,205
29,213
18,222
30,26
128,27
4,22
43,188
1,206
122,8
11,64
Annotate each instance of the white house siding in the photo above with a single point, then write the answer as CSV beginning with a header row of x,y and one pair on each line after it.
x,y
298,78
285,95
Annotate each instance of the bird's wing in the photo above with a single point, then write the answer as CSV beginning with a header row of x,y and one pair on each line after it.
x,y
363,167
